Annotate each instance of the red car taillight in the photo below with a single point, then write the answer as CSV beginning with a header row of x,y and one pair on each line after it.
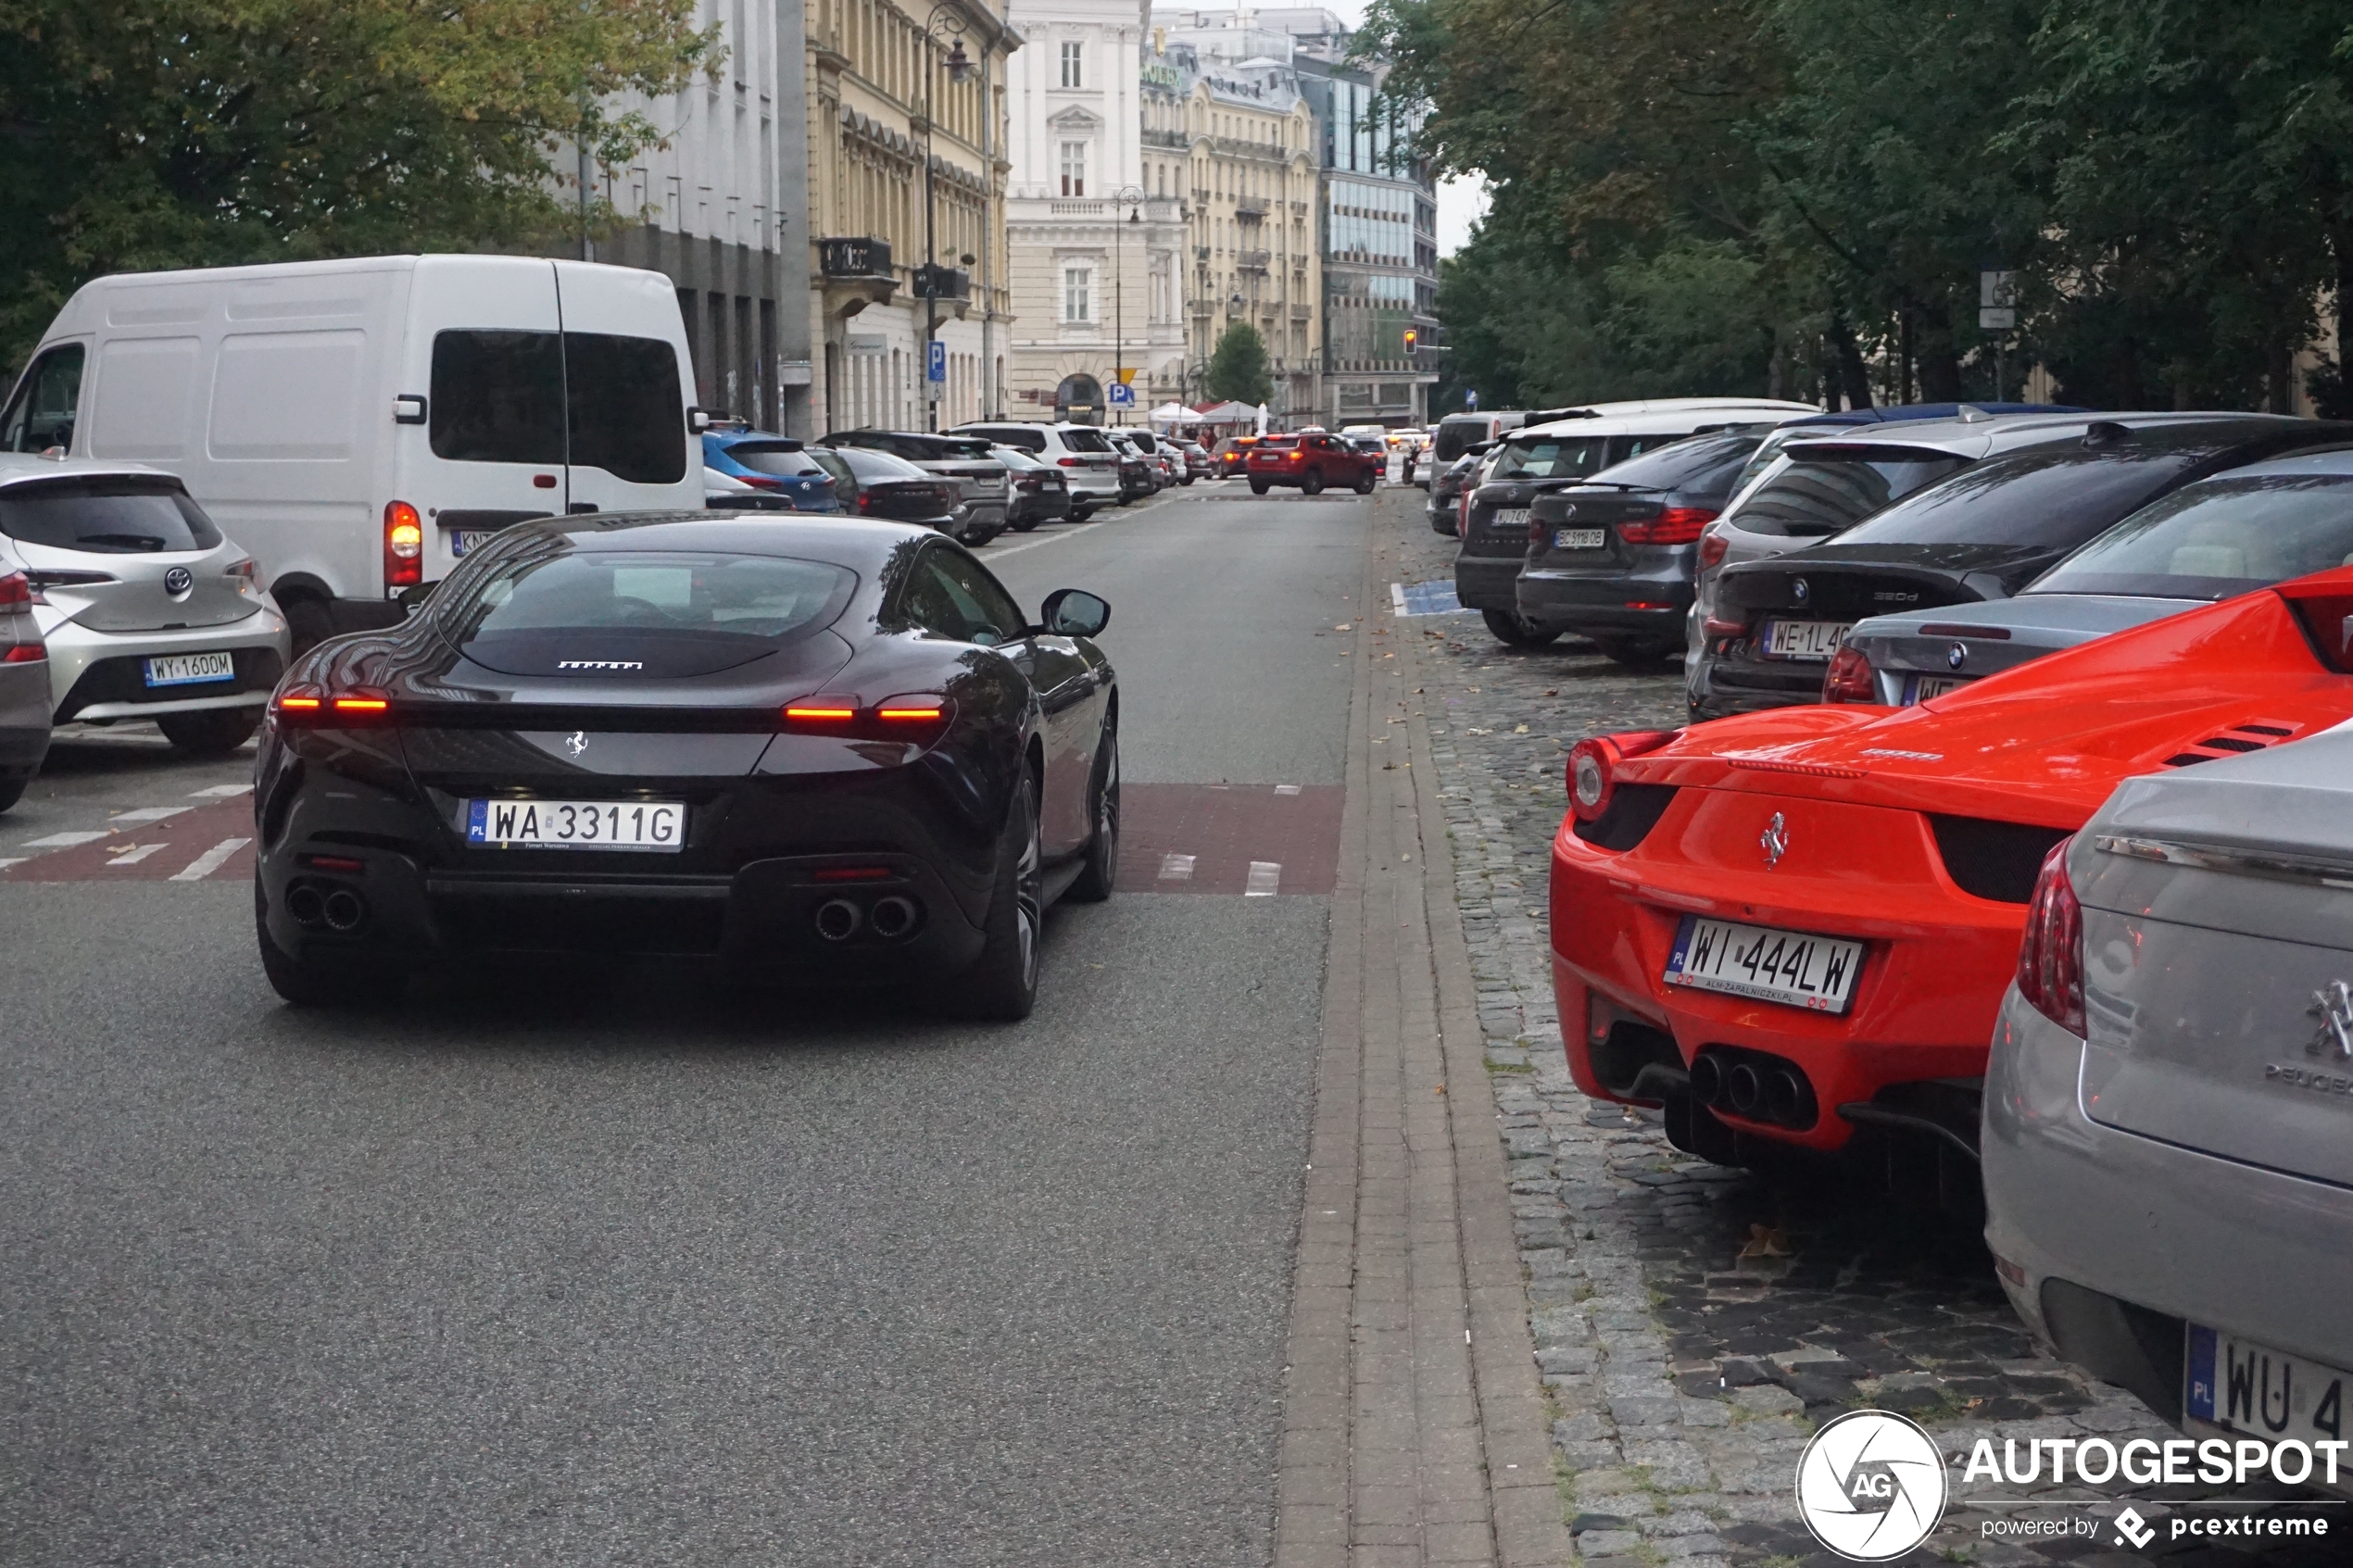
x,y
16,590
2050,960
1072,462
1593,767
1712,549
404,546
1850,678
760,480
312,708
918,717
1675,526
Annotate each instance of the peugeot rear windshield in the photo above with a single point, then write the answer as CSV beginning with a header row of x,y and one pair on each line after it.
x,y
2029,498
2216,538
105,516
1827,490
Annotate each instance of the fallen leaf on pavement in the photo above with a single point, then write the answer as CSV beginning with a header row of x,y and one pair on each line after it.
x,y
1766,1241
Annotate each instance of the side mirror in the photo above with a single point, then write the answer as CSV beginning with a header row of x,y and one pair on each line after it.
x,y
697,421
1073,612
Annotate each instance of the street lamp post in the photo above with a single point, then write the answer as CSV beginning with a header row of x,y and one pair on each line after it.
x,y
1130,197
945,23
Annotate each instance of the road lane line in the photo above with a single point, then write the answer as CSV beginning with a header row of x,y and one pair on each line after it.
x,y
1176,868
62,840
1286,789
147,814
210,860
136,854
5,861
220,792
1397,596
1263,877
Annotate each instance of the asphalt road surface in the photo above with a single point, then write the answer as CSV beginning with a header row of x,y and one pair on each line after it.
x,y
605,1267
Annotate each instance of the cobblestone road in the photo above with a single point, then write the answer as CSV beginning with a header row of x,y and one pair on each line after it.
x,y
1695,1324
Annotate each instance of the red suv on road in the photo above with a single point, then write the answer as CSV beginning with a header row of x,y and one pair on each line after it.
x,y
1311,462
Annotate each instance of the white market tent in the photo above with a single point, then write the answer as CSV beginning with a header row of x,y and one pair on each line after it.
x,y
1176,414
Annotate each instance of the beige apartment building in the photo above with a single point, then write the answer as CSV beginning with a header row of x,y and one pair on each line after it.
x,y
1228,122
883,106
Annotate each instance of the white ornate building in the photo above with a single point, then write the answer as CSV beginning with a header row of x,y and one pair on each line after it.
x,y
1094,249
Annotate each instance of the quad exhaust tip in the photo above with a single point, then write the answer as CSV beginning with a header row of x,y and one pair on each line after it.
x,y
1753,1086
343,910
893,917
838,920
304,903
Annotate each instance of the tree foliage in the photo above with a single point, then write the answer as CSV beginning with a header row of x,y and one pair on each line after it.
x,y
1237,366
1797,195
147,133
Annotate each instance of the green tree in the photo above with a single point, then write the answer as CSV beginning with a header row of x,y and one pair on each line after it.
x,y
150,133
1237,366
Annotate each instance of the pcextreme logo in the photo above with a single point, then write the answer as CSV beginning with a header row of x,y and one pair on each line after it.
x,y
1870,1486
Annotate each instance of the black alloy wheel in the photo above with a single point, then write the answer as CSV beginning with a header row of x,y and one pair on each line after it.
x,y
1080,514
319,982
1001,985
1102,867
1258,487
1314,483
1365,482
1513,631
213,732
1026,524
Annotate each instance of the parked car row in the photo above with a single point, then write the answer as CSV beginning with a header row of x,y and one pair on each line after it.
x,y
2015,868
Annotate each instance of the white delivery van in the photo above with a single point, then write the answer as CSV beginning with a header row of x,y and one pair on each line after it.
x,y
357,425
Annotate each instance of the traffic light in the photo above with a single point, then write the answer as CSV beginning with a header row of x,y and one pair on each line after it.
x,y
1412,337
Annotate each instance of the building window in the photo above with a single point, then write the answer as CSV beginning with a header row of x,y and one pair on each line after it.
x,y
1078,291
1073,54
1073,168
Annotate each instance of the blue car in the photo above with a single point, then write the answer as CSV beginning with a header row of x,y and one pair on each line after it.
x,y
774,464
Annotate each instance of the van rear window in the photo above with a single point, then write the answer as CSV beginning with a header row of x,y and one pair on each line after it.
x,y
592,399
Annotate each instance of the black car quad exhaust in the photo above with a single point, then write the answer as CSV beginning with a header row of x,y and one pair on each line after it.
x,y
315,906
891,918
1754,1085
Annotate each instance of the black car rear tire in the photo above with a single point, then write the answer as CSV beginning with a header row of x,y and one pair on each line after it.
x,y
1259,487
1314,483
1001,985
1080,514
1365,482
319,982
308,623
11,791
1102,867
1640,655
209,732
1513,632
1024,525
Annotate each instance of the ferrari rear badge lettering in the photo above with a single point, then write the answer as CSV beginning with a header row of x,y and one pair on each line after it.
x,y
1892,751
1774,841
2333,1005
599,664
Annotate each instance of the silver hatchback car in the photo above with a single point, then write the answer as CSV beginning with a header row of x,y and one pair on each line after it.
x,y
144,610
2167,1136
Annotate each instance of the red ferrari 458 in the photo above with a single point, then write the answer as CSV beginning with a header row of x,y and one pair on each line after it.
x,y
1791,924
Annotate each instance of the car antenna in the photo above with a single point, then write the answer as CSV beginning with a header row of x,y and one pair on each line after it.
x,y
2105,432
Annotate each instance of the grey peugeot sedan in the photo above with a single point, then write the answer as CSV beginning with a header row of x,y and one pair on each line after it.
x,y
2237,532
2168,1122
144,611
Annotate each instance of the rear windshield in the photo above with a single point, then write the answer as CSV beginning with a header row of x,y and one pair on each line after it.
x,y
1705,464
2219,537
1822,492
1275,444
1004,435
869,464
1086,441
1455,435
774,458
108,517
536,610
1554,456
2032,498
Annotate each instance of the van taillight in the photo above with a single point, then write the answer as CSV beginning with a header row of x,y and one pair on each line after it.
x,y
404,546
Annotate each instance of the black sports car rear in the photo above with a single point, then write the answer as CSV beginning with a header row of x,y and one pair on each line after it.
x,y
817,750
1982,534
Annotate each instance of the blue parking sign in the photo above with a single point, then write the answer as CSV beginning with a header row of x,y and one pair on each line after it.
x,y
935,362
1122,396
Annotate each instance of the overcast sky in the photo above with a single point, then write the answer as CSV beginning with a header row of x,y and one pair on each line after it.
x,y
1460,201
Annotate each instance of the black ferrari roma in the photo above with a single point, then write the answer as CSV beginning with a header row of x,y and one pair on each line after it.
x,y
817,750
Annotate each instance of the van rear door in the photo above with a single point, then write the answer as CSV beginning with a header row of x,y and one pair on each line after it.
x,y
484,348
627,388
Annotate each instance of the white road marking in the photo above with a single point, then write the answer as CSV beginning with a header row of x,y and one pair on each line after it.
x,y
1176,868
1286,789
991,551
210,860
1264,877
1397,596
61,840
147,814
134,855
220,792
12,860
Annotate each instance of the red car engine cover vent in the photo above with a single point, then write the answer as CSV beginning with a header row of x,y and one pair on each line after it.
x,y
2254,735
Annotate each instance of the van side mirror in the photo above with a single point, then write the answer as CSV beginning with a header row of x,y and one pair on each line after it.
x,y
1073,612
697,421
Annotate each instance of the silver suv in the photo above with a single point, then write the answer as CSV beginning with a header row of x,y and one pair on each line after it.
x,y
1082,451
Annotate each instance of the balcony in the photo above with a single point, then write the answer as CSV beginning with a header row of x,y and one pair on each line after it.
x,y
1252,260
1177,139
1250,211
1302,312
1201,253
856,274
951,283
1204,308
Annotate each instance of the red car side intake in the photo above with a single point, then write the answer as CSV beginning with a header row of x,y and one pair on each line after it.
x,y
1790,925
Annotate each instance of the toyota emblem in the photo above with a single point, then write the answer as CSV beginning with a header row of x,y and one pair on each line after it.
x,y
1799,591
1956,655
178,580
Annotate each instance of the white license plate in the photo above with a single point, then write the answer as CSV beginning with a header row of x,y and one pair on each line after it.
x,y
1805,639
1814,972
2242,1387
659,827
1924,687
186,669
1579,538
464,539
1507,516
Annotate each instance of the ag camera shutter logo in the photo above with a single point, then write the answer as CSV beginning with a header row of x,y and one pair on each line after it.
x,y
1871,1485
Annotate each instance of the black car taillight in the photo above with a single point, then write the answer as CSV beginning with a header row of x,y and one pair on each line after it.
x,y
314,708
1675,526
